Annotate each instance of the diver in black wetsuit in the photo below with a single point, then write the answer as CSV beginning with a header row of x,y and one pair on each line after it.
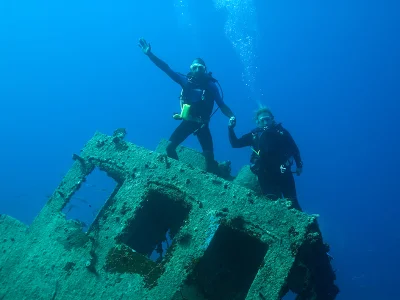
x,y
273,147
199,91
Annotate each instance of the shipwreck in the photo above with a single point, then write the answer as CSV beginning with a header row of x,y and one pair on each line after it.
x,y
168,230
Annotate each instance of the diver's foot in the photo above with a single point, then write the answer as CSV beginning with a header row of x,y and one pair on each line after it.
x,y
225,169
222,169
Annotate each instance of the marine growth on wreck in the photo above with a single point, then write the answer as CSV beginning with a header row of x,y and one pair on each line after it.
x,y
167,230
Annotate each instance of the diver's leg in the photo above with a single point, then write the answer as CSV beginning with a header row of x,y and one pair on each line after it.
x,y
288,187
180,134
207,145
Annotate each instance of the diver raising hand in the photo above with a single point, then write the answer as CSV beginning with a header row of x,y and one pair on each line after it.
x,y
146,47
199,93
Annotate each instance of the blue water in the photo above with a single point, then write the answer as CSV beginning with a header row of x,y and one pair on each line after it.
x,y
329,70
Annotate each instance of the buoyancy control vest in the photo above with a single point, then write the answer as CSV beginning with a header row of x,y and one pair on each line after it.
x,y
196,99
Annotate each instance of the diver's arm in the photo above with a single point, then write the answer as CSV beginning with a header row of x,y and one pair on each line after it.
x,y
180,79
244,141
294,150
218,99
226,110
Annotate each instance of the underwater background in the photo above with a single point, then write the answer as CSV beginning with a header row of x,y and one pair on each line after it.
x,y
329,70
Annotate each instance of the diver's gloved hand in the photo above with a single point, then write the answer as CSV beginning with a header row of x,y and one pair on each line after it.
x,y
232,122
146,47
177,116
299,171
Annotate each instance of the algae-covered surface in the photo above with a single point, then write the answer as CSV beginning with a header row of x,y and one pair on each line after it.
x,y
216,238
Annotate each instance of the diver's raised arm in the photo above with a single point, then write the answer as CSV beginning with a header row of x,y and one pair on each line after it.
x,y
146,48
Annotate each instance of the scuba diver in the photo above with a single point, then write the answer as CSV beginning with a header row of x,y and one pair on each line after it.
x,y
273,147
199,91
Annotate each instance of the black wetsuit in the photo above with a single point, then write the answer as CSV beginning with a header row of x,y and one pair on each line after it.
x,y
200,94
273,148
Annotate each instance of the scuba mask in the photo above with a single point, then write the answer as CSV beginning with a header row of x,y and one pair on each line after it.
x,y
197,68
265,121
